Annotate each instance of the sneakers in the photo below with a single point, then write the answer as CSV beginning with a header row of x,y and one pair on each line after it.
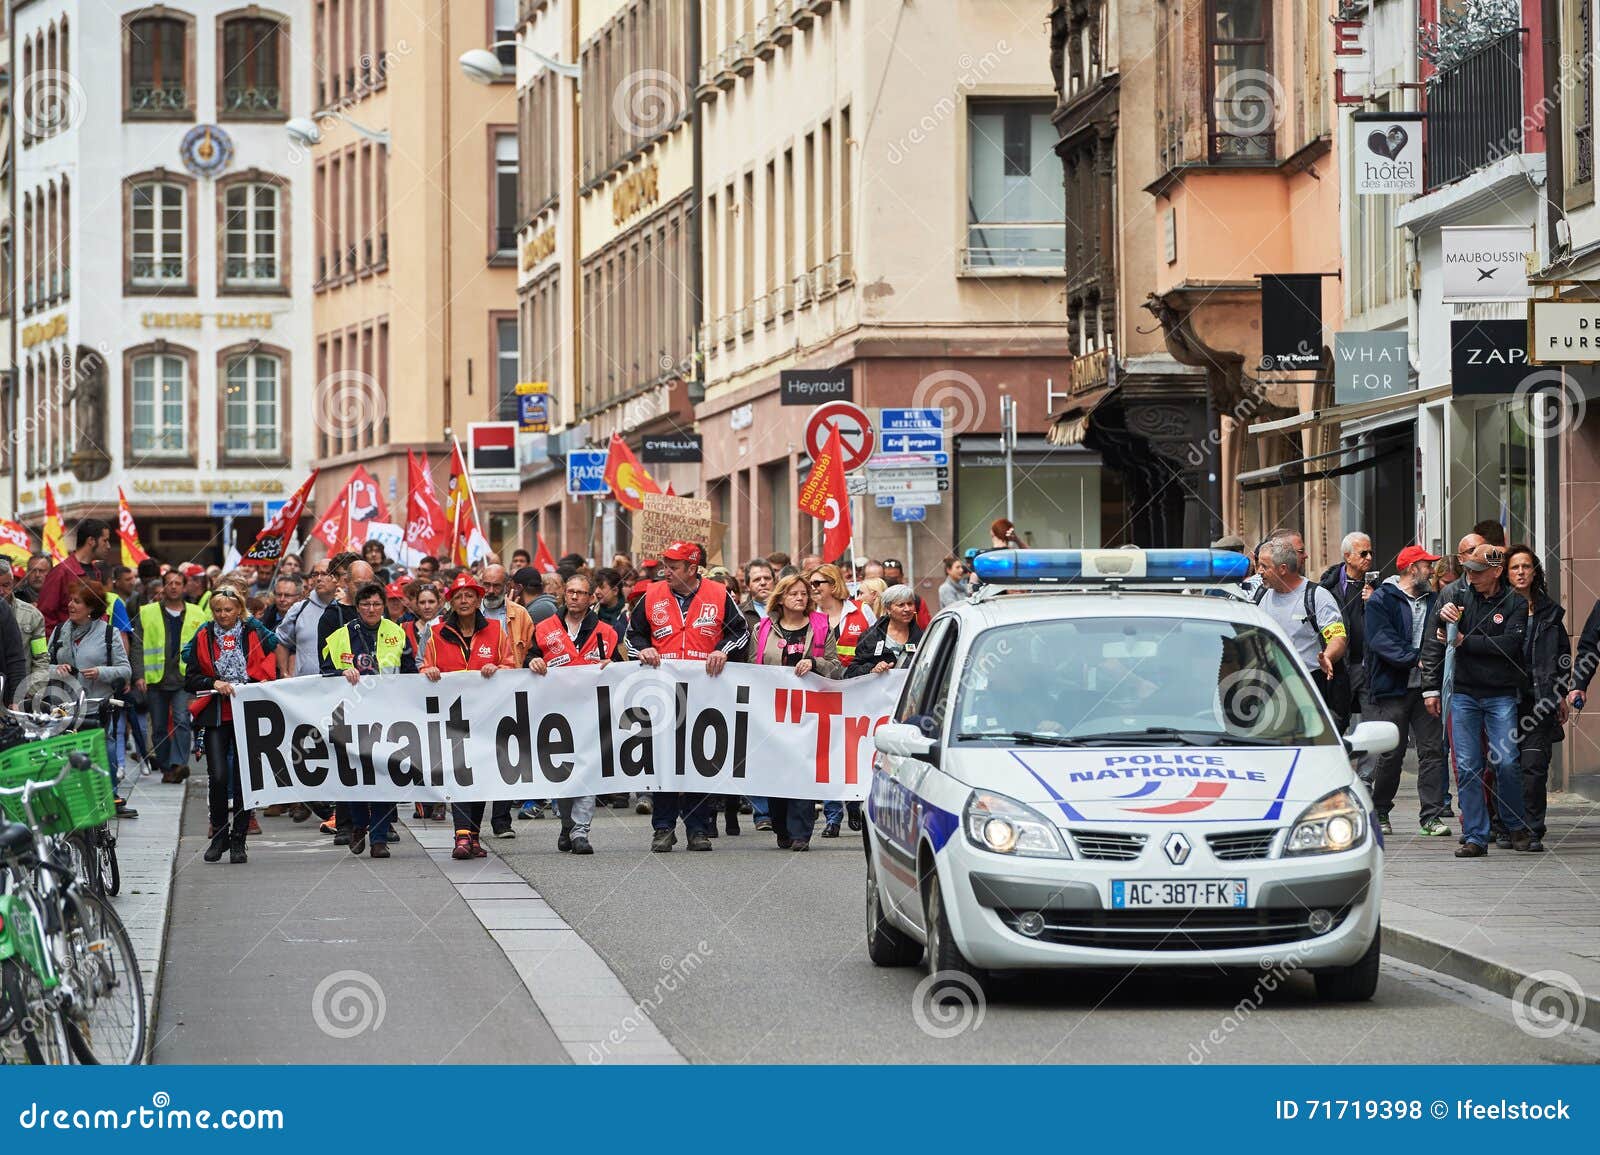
x,y
662,841
1520,840
1535,846
1472,850
331,826
785,843
580,845
358,839
506,831
1434,829
1502,839
800,844
1383,825
380,850
642,806
831,830
764,824
463,847
529,810
699,840
564,840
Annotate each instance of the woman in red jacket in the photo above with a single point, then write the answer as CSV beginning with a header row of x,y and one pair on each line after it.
x,y
463,639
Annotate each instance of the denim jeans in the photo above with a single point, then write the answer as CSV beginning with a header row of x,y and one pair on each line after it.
x,y
758,808
170,708
377,817
1476,724
116,735
136,733
577,814
695,809
794,819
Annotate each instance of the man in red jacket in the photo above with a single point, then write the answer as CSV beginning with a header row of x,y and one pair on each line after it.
x,y
94,547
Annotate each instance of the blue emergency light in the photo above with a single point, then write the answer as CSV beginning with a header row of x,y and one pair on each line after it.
x,y
1015,567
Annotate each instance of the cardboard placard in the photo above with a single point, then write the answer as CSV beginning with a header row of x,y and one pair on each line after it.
x,y
665,520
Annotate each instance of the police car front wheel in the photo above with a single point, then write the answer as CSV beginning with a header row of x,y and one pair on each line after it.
x,y
1355,983
944,956
887,946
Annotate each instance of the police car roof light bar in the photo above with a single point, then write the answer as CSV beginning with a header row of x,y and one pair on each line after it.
x,y
1034,568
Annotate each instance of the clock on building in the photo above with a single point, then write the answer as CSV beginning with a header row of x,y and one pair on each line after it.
x,y
206,150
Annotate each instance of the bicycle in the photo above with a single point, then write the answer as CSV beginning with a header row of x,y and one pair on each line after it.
x,y
69,979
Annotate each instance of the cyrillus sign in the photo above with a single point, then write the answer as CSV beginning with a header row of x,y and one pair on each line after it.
x,y
1369,365
1387,153
1564,332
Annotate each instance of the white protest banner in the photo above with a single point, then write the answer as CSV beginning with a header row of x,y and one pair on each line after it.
x,y
757,730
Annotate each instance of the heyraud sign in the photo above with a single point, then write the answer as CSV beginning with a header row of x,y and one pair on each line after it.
x,y
757,730
1387,153
1564,332
1485,262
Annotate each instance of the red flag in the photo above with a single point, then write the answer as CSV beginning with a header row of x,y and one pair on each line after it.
x,y
627,478
53,533
466,540
826,497
543,560
670,491
273,540
132,549
15,542
427,527
359,501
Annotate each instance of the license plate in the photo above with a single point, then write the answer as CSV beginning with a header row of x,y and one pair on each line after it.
x,y
1131,894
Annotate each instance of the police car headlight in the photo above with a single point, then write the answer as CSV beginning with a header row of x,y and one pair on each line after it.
x,y
1005,826
1332,823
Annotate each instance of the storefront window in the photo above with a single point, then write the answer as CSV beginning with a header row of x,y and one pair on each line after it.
x,y
1505,468
1055,497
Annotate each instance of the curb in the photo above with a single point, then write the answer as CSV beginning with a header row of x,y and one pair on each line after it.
x,y
1520,985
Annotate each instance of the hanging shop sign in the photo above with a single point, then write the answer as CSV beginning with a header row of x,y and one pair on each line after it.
x,y
1388,153
1291,321
1564,332
1487,356
1485,262
1369,365
815,386
676,447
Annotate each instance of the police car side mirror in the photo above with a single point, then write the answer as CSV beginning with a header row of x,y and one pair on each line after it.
x,y
1373,738
904,741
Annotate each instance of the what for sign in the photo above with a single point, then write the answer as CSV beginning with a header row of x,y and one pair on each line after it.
x,y
750,730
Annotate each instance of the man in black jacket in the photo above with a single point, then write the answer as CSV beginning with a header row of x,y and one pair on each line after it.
x,y
1490,675
1396,615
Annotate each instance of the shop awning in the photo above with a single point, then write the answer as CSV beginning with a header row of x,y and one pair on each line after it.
x,y
1354,411
1317,467
1072,423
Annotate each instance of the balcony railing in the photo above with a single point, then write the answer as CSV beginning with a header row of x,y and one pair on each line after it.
x,y
1475,111
158,98
1016,245
158,271
251,99
251,270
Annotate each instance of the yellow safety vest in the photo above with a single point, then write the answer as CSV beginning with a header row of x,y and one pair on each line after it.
x,y
391,645
153,636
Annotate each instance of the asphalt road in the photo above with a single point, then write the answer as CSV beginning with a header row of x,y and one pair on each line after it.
x,y
750,954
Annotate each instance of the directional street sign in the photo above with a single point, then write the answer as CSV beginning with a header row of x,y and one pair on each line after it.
x,y
855,432
906,460
228,509
909,513
586,472
878,483
905,441
855,484
911,420
929,475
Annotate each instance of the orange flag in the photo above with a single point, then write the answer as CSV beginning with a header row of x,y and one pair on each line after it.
x,y
628,479
132,549
826,497
53,529
467,543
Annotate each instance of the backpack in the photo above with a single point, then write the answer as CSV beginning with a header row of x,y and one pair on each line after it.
x,y
1336,691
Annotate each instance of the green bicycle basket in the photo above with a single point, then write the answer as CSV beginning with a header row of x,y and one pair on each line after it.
x,y
85,799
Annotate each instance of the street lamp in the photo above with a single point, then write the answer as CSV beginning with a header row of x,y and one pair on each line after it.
x,y
305,131
482,66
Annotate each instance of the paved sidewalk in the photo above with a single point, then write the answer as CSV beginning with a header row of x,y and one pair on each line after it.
x,y
146,848
1523,925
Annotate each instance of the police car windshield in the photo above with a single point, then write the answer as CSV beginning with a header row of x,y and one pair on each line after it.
x,y
1175,681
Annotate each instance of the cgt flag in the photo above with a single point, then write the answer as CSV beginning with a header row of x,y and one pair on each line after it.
x,y
53,532
273,540
14,541
543,560
427,527
132,549
344,526
826,497
628,479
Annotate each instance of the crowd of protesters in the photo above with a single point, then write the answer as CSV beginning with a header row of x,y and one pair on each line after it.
x,y
1468,656
157,652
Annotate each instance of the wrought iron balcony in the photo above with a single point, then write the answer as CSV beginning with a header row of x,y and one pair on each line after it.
x,y
251,270
1475,111
158,271
247,99
158,98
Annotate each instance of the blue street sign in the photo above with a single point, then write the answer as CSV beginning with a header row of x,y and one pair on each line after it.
x,y
910,421
271,508
586,472
904,441
228,509
883,500
908,513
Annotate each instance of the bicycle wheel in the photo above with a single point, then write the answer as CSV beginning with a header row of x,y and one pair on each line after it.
x,y
108,879
31,1030
106,1021
81,849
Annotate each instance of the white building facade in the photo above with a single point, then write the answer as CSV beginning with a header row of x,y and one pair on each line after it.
x,y
162,224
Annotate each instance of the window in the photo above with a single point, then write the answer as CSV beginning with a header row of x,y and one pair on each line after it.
x,y
505,367
158,69
505,28
1240,80
64,251
504,241
250,221
160,399
252,59
252,405
1016,213
159,235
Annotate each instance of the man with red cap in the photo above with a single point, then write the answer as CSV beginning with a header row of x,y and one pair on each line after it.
x,y
690,619
463,639
1396,617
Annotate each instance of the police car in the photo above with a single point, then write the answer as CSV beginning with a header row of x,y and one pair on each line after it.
x,y
1111,758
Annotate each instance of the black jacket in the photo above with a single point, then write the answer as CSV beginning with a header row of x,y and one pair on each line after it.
x,y
13,654
1390,655
1587,659
870,648
1491,660
1352,609
1549,653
